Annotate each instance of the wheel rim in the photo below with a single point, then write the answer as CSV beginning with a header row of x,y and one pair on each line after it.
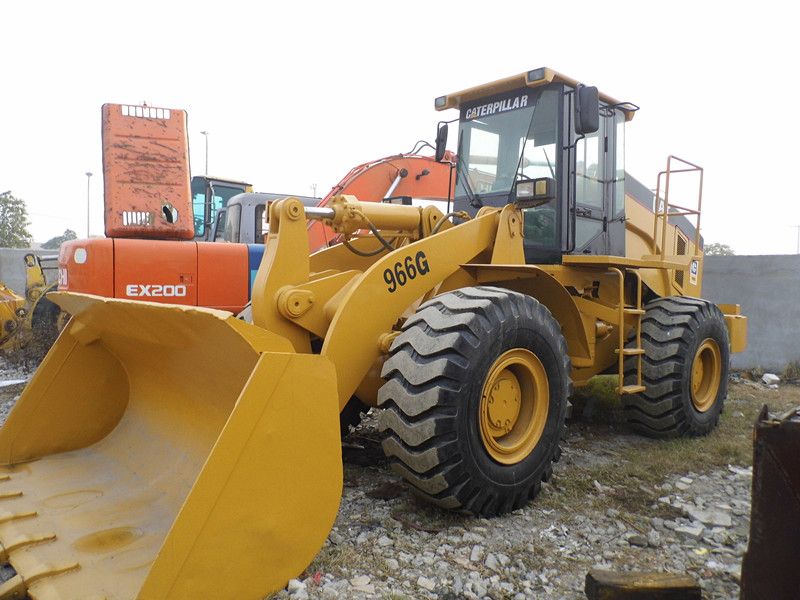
x,y
706,372
514,404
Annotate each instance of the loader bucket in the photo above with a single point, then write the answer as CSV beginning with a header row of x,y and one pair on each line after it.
x,y
167,452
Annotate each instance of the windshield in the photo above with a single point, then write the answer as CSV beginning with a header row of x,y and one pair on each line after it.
x,y
510,136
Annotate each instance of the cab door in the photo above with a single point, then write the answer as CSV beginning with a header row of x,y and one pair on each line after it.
x,y
594,189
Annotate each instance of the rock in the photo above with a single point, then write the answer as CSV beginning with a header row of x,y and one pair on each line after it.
x,y
476,554
692,531
336,538
384,541
329,592
471,537
491,562
362,537
295,585
392,564
603,489
709,516
359,580
637,540
770,379
654,539
425,583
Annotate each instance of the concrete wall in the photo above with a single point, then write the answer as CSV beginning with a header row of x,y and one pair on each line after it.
x,y
768,288
12,267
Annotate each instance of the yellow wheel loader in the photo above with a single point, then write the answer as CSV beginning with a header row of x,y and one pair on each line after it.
x,y
177,452
32,319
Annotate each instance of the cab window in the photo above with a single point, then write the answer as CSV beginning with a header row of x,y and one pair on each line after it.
x,y
232,222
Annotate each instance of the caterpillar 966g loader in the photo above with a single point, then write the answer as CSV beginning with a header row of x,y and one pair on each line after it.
x,y
158,444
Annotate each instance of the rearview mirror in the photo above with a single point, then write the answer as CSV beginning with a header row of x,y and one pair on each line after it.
x,y
441,141
587,110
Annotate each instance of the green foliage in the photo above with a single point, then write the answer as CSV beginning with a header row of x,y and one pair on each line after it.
x,y
718,250
14,222
55,243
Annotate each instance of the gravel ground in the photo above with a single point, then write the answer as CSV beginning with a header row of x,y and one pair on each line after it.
x,y
388,544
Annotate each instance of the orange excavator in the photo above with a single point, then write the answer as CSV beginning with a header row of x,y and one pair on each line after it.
x,y
149,207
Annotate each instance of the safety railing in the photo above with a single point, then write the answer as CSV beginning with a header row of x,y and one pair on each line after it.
x,y
664,210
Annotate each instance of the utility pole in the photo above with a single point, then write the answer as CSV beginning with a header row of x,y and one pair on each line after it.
x,y
88,196
314,190
205,133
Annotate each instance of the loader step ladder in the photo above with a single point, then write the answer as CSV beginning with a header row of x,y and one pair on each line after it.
x,y
637,350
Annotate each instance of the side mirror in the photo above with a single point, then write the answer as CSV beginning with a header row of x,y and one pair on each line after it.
x,y
587,110
441,141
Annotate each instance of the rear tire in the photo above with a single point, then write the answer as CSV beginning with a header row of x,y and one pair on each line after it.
x,y
443,377
685,369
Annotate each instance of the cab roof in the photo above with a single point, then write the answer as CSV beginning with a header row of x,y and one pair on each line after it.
x,y
533,78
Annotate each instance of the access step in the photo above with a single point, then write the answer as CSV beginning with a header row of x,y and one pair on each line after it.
x,y
631,351
632,389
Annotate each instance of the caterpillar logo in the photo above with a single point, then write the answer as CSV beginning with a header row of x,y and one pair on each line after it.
x,y
496,107
138,290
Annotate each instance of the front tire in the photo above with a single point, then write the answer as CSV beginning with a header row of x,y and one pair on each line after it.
x,y
476,398
684,368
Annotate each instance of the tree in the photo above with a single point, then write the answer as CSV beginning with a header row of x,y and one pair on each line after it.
x,y
14,222
55,243
718,250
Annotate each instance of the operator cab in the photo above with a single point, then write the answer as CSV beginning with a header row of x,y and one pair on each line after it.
x,y
244,218
209,194
553,146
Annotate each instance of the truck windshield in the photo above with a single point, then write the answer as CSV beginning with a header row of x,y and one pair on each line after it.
x,y
506,137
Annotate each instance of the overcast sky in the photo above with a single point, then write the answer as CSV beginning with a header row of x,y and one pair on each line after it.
x,y
296,93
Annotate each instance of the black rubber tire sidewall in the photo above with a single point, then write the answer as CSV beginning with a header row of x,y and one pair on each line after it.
x,y
715,329
471,445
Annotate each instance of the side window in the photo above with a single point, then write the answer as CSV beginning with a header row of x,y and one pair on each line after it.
x,y
262,228
483,149
619,167
199,209
539,225
588,170
232,221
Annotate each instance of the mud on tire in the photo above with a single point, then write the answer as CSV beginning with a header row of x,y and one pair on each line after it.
x,y
435,376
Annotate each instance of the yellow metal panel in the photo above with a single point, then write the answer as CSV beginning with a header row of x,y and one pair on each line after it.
x,y
269,492
515,82
737,331
370,309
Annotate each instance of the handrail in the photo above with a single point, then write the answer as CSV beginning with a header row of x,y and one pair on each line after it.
x,y
682,211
